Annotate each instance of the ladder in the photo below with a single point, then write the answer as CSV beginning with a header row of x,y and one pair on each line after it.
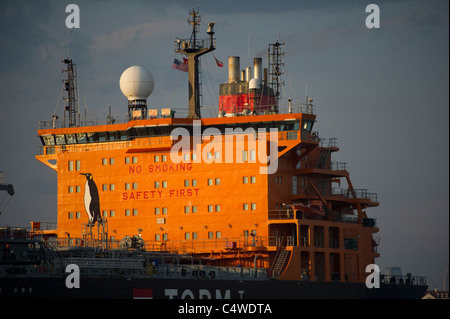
x,y
279,264
323,158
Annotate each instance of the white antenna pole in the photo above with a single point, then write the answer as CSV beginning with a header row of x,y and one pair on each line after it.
x,y
248,49
306,93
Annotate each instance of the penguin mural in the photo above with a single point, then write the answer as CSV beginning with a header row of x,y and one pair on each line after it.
x,y
91,199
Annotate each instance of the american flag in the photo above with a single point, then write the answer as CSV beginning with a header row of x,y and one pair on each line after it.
x,y
182,66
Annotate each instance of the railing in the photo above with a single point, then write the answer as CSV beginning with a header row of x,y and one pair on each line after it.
x,y
328,142
281,214
403,280
333,166
203,271
102,146
181,246
341,192
103,120
203,43
359,193
40,226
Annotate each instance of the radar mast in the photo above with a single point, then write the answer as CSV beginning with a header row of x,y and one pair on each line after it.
x,y
193,48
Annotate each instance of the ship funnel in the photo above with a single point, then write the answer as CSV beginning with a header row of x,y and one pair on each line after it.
x,y
233,69
243,76
257,66
248,73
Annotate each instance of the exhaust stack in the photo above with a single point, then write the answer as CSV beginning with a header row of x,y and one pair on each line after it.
x,y
233,69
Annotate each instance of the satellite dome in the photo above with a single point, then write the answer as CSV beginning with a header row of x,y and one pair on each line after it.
x,y
254,84
136,83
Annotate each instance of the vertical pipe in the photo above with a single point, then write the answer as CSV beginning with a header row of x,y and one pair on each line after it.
x,y
257,66
233,69
248,71
265,76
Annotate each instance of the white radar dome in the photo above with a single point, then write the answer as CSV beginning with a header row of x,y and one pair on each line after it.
x,y
136,83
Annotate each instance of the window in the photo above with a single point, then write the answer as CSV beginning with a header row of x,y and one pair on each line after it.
x,y
112,187
210,181
218,234
252,155
245,206
134,159
217,181
157,211
156,158
127,160
104,187
208,155
135,212
135,185
105,213
194,235
127,212
194,156
165,237
112,213
164,158
217,208
210,235
194,209
186,157
156,184
253,179
70,189
164,184
186,183
253,206
244,156
194,182
157,237
78,165
70,165
127,186
187,236
78,215
217,155
164,210
78,188
70,215
111,161
186,209
104,161
210,208
245,180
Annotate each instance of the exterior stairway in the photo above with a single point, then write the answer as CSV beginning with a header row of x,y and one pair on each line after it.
x,y
279,263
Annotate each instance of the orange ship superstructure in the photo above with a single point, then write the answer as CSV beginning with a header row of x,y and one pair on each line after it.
x,y
251,188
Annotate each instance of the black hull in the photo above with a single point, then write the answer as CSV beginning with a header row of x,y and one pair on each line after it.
x,y
123,288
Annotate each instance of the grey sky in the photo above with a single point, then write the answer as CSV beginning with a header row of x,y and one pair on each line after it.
x,y
383,93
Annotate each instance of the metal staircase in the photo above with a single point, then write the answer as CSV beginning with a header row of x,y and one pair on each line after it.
x,y
279,264
280,258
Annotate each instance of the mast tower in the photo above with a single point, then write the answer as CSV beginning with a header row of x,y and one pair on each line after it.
x,y
70,87
275,64
193,48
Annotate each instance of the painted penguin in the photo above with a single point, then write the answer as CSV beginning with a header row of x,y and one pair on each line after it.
x,y
91,199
